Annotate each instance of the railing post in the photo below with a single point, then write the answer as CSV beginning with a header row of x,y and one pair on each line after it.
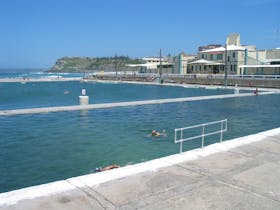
x,y
202,146
175,135
181,143
226,125
181,147
221,136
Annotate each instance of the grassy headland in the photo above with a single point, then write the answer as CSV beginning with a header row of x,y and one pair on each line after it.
x,y
83,64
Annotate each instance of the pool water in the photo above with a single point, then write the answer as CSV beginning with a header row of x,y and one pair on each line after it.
x,y
45,94
40,148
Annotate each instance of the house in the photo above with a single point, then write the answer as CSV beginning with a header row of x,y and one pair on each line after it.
x,y
154,65
236,59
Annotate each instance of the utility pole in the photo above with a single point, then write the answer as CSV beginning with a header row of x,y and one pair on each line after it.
x,y
116,66
160,65
226,60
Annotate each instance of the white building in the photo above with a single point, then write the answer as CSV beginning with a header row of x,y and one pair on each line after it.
x,y
154,65
181,62
236,59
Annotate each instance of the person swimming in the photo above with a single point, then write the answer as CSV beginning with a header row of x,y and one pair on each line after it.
x,y
156,133
99,169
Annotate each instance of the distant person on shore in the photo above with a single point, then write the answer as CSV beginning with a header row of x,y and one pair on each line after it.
x,y
107,168
256,92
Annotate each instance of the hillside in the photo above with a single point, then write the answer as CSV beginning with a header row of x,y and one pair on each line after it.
x,y
82,64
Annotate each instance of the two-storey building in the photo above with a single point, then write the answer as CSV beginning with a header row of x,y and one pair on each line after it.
x,y
236,59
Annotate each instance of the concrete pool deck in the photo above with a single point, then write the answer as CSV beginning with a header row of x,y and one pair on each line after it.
x,y
242,173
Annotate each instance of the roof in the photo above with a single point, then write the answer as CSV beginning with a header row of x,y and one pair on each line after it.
x,y
222,49
271,60
260,65
205,62
150,65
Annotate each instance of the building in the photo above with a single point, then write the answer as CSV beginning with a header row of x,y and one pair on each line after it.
x,y
181,62
236,59
209,47
262,62
154,65
233,58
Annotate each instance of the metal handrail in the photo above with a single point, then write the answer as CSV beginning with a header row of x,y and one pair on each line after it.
x,y
221,76
181,139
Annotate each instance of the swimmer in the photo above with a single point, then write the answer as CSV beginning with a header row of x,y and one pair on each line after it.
x,y
156,133
107,168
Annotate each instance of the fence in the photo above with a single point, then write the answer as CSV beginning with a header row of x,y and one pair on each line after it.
x,y
180,138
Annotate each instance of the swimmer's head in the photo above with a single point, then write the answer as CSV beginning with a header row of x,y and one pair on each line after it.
x,y
97,169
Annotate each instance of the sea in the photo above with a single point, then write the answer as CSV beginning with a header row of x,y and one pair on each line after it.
x,y
40,148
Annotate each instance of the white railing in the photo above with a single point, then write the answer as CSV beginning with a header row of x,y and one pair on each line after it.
x,y
181,137
178,76
253,77
221,76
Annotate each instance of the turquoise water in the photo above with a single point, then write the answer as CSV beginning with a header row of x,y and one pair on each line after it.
x,y
44,94
36,149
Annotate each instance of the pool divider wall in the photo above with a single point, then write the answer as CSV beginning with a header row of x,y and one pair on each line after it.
x,y
123,104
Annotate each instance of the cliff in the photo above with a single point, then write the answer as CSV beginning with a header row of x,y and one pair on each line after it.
x,y
82,64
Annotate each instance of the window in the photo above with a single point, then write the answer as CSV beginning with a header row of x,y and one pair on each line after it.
x,y
219,56
202,56
211,57
233,54
228,58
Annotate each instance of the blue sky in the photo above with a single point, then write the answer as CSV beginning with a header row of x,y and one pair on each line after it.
x,y
34,33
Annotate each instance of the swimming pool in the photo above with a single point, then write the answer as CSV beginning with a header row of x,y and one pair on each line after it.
x,y
45,94
41,148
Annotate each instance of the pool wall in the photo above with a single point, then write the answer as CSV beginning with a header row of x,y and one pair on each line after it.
x,y
122,104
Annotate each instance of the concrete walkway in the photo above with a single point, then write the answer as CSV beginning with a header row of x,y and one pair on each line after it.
x,y
239,174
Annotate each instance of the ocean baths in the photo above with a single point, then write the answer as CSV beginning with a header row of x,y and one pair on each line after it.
x,y
40,148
